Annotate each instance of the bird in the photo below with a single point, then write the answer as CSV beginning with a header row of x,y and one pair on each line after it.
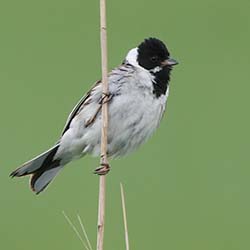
x,y
138,92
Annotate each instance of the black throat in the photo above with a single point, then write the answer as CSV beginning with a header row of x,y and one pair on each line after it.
x,y
161,81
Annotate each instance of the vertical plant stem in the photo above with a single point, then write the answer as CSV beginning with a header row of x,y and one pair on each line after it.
x,y
101,214
104,160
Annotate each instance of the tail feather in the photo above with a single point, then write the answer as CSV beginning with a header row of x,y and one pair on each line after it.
x,y
42,168
34,164
41,179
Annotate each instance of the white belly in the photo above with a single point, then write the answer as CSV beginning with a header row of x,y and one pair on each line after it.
x,y
132,120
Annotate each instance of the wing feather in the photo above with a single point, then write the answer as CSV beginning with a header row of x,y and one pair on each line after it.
x,y
83,101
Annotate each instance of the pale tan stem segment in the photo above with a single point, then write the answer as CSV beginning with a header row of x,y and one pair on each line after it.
x,y
104,159
101,213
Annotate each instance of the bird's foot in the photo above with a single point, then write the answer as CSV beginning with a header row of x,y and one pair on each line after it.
x,y
106,97
103,170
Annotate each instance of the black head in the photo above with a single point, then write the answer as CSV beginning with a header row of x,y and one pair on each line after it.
x,y
153,53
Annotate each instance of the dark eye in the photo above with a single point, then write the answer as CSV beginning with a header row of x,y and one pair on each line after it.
x,y
154,59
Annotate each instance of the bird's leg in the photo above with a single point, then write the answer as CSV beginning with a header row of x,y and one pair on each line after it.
x,y
92,119
105,167
103,170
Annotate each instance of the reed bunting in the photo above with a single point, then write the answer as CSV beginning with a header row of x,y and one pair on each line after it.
x,y
138,91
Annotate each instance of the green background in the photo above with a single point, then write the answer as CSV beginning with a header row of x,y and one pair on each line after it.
x,y
188,187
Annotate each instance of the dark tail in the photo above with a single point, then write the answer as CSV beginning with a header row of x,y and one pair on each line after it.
x,y
42,169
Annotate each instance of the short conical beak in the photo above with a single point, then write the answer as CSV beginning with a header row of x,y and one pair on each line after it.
x,y
169,62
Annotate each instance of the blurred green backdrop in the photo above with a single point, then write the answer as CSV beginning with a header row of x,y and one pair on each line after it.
x,y
188,187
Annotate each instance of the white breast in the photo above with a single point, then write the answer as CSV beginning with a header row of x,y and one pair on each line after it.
x,y
134,114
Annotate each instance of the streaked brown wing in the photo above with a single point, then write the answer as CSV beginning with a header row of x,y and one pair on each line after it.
x,y
79,107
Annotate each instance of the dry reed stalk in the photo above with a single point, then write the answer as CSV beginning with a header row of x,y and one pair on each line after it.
x,y
104,160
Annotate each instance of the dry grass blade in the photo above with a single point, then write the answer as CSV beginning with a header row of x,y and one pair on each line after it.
x,y
124,217
84,232
75,230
